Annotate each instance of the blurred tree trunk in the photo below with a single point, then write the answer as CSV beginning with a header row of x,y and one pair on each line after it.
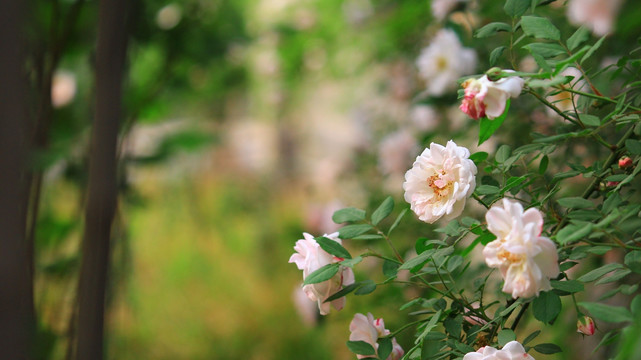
x,y
102,192
16,290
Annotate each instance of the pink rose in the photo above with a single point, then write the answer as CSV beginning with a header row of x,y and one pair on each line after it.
x,y
310,257
484,97
367,329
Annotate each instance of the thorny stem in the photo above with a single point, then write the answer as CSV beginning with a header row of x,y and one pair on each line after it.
x,y
477,198
519,316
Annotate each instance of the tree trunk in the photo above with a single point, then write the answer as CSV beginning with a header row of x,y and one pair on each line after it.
x,y
102,192
16,290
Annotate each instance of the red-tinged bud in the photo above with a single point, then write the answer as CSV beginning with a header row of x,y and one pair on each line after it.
x,y
625,162
585,326
612,183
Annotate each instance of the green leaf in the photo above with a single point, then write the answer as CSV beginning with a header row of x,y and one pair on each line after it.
x,y
505,336
397,221
545,50
571,286
390,268
616,276
333,247
324,273
578,38
543,165
361,348
503,153
352,231
384,347
348,214
547,348
416,261
607,313
344,291
573,232
598,272
633,146
428,327
351,262
515,8
546,306
593,49
576,203
633,261
478,157
491,29
366,287
540,28
590,120
383,210
496,54
487,190
488,127
531,337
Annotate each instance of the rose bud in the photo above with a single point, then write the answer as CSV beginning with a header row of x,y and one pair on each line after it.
x,y
585,326
625,162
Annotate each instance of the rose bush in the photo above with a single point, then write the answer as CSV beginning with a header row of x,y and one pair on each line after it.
x,y
546,193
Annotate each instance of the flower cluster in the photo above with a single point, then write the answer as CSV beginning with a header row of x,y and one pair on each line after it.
x,y
309,257
367,329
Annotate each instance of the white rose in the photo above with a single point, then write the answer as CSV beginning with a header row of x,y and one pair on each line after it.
x,y
488,98
440,181
511,351
367,329
596,15
444,61
310,257
525,259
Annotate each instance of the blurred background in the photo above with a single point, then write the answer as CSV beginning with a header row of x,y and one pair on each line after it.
x,y
245,123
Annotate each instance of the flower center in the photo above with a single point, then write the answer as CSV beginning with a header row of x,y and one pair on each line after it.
x,y
441,63
440,184
509,257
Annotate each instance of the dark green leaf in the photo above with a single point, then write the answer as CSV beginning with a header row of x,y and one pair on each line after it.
x,y
547,348
505,336
478,157
590,120
390,268
361,348
515,8
496,54
366,287
352,231
578,38
384,347
598,272
324,273
543,165
489,127
576,203
487,190
571,286
531,337
344,291
416,261
633,261
491,29
593,49
573,233
540,28
633,146
503,153
545,50
352,262
616,276
348,214
607,313
397,221
383,210
333,247
546,306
